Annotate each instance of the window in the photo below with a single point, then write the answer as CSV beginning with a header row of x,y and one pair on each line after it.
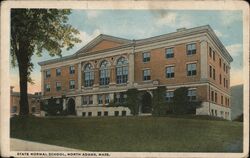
x,y
72,84
224,82
220,62
224,67
170,72
212,111
47,87
228,102
169,96
191,49
47,73
124,113
116,113
146,57
220,78
212,95
221,100
86,100
14,109
58,72
215,97
214,55
120,97
191,69
88,75
192,94
169,53
104,73
210,71
58,86
106,98
210,52
100,99
71,70
83,113
215,112
146,75
213,73
106,113
99,113
89,113
122,71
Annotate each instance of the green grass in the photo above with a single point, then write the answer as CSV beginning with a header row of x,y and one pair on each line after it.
x,y
137,134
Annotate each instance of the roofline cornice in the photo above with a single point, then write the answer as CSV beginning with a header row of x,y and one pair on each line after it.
x,y
130,43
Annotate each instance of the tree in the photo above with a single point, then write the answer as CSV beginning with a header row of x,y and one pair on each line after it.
x,y
133,100
53,108
34,31
159,102
182,104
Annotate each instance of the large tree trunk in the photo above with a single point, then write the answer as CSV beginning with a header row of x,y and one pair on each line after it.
x,y
23,60
23,82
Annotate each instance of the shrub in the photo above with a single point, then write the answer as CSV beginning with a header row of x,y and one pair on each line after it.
x,y
132,101
52,108
159,104
181,103
239,118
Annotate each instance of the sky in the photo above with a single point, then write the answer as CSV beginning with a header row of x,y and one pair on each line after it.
x,y
138,24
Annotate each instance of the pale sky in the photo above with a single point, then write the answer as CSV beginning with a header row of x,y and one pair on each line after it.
x,y
138,24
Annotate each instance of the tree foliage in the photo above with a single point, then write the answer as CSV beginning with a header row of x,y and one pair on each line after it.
x,y
53,108
159,102
182,104
34,31
133,100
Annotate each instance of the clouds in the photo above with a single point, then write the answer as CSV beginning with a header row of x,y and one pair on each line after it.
x,y
92,14
173,19
235,49
229,17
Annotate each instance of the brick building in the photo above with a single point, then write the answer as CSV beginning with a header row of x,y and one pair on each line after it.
x,y
33,99
108,66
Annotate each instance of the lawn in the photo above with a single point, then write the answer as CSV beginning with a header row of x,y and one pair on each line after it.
x,y
141,134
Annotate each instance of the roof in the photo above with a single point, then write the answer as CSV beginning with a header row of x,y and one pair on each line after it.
x,y
127,43
29,95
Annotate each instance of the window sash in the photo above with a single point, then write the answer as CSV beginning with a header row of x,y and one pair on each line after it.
x,y
191,69
146,57
170,72
169,53
191,49
146,75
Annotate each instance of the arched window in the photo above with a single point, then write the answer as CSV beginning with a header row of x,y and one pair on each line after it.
x,y
122,71
104,73
88,75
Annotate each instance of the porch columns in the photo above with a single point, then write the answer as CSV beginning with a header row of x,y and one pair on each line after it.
x,y
131,70
112,75
79,76
95,100
96,77
111,96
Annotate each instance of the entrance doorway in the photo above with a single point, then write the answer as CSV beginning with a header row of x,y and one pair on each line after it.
x,y
146,103
71,107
